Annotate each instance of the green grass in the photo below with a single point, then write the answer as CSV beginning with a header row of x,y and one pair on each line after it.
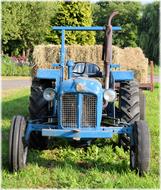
x,y
98,166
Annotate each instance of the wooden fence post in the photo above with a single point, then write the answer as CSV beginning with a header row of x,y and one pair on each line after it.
x,y
152,75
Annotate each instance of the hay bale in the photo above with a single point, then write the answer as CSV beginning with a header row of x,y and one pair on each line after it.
x,y
128,58
132,58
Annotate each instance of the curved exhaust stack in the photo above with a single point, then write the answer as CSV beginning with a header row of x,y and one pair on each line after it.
x,y
107,51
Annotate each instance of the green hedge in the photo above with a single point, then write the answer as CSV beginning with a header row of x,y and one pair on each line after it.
x,y
10,68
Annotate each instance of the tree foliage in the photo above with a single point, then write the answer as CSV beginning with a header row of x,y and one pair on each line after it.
x,y
24,24
73,14
128,18
149,31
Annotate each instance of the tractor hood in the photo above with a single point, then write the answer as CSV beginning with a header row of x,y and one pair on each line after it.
x,y
81,85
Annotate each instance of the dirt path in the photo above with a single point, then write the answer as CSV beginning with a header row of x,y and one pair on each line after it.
x,y
15,84
156,78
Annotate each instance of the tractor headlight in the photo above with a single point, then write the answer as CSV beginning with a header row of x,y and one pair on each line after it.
x,y
49,94
109,95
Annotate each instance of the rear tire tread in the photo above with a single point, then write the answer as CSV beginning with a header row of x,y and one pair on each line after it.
x,y
129,101
38,110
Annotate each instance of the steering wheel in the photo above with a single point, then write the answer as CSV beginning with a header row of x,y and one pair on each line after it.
x,y
87,69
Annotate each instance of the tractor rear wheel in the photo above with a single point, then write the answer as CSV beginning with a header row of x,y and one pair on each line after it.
x,y
17,148
129,107
140,150
38,110
129,101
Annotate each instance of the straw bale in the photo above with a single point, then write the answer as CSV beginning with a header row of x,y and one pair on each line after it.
x,y
128,58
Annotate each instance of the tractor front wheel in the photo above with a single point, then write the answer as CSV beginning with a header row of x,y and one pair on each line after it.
x,y
140,148
17,148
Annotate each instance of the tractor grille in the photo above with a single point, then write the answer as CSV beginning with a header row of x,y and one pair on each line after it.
x,y
89,111
70,111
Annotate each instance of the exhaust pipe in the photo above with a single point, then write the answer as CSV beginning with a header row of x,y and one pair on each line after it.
x,y
107,51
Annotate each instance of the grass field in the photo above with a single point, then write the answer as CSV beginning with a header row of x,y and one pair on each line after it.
x,y
98,166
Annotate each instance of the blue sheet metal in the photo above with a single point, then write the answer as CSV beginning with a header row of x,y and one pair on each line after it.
x,y
79,108
107,132
33,127
62,54
49,74
88,133
89,86
56,64
122,75
70,64
84,28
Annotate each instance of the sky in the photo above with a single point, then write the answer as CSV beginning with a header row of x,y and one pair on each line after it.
x,y
142,1
146,1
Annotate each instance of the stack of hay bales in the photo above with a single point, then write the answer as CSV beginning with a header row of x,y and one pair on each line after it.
x,y
128,58
45,55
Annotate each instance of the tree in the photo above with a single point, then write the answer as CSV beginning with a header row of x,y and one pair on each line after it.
x,y
149,31
128,18
24,24
11,25
73,14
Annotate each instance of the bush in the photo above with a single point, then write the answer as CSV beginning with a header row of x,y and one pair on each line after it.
x,y
11,68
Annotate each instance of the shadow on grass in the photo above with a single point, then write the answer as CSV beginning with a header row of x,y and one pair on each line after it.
x,y
20,107
5,149
156,85
35,156
17,106
81,165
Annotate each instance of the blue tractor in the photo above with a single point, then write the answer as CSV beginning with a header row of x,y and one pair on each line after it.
x,y
81,108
